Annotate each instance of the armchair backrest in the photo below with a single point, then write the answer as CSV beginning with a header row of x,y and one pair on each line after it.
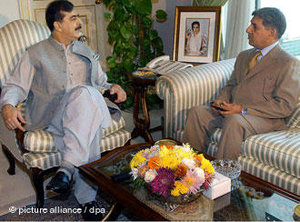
x,y
15,37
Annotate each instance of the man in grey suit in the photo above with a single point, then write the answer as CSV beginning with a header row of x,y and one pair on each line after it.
x,y
262,91
60,79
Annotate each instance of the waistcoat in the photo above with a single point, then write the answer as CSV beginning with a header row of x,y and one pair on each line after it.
x,y
50,79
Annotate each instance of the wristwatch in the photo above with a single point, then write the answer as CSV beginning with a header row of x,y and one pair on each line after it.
x,y
244,111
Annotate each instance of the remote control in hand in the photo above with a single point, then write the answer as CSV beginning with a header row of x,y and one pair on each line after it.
x,y
111,97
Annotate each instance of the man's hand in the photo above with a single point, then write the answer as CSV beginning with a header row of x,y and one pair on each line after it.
x,y
120,92
230,108
217,103
12,117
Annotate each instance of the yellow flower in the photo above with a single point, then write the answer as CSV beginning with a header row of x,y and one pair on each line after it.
x,y
179,189
185,152
207,166
168,158
164,151
137,160
169,161
175,192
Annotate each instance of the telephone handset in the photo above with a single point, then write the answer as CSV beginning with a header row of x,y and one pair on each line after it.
x,y
163,65
155,62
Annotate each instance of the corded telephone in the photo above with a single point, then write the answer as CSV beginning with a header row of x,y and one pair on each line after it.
x,y
163,65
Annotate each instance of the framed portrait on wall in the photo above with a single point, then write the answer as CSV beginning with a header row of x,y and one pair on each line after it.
x,y
197,34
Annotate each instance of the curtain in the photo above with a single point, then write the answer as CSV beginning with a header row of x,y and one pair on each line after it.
x,y
209,2
238,19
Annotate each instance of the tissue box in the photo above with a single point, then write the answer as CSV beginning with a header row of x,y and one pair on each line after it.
x,y
219,186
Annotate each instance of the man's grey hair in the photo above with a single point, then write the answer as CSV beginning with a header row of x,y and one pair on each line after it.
x,y
272,18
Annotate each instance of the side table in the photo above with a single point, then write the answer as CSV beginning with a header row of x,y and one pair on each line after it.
x,y
142,125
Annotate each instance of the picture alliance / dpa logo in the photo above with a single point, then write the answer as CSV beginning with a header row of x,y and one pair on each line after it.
x,y
55,210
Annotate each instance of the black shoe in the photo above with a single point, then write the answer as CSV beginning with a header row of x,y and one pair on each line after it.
x,y
60,183
91,211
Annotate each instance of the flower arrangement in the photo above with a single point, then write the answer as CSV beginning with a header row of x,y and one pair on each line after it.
x,y
172,170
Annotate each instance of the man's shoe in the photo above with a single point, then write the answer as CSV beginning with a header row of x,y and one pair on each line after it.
x,y
60,183
91,211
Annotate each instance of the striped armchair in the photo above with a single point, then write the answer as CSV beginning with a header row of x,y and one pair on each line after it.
x,y
273,157
36,150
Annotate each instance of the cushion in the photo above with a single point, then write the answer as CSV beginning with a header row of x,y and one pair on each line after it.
x,y
270,174
41,141
280,149
42,161
48,160
294,119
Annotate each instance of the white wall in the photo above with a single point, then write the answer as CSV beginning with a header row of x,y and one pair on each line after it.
x,y
9,11
166,29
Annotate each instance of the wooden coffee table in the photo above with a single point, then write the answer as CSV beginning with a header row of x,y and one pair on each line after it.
x,y
254,200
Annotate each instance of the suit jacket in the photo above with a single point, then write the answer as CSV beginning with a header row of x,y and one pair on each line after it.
x,y
270,90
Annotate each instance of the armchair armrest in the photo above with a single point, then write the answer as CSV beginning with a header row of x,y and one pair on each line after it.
x,y
184,89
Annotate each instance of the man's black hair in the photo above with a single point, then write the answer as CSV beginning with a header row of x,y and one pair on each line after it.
x,y
272,17
54,12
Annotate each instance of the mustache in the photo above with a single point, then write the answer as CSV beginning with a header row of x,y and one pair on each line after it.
x,y
77,28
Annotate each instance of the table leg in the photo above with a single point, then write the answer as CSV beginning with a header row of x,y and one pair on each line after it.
x,y
142,126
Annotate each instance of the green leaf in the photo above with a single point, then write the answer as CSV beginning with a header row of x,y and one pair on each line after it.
x,y
129,66
147,22
125,32
161,14
146,42
107,15
153,34
107,2
135,29
119,14
111,62
144,7
126,2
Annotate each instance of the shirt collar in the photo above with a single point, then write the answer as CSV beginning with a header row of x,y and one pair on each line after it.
x,y
59,45
266,50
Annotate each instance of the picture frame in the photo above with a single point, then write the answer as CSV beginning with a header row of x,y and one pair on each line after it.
x,y
197,34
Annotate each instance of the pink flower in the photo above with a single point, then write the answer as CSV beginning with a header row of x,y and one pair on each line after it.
x,y
192,181
163,182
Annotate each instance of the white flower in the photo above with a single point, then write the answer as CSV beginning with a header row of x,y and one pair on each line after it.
x,y
186,145
150,175
200,174
134,173
189,162
186,148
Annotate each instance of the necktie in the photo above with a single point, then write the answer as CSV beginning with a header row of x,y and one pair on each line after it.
x,y
253,61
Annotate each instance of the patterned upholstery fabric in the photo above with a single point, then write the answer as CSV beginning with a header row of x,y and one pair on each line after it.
x,y
15,37
48,160
273,157
41,141
277,149
294,120
184,89
280,149
271,174
42,160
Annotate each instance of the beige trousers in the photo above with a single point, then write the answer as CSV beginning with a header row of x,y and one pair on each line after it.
x,y
202,122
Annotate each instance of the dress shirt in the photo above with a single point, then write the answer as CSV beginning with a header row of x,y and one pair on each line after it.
x,y
265,51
